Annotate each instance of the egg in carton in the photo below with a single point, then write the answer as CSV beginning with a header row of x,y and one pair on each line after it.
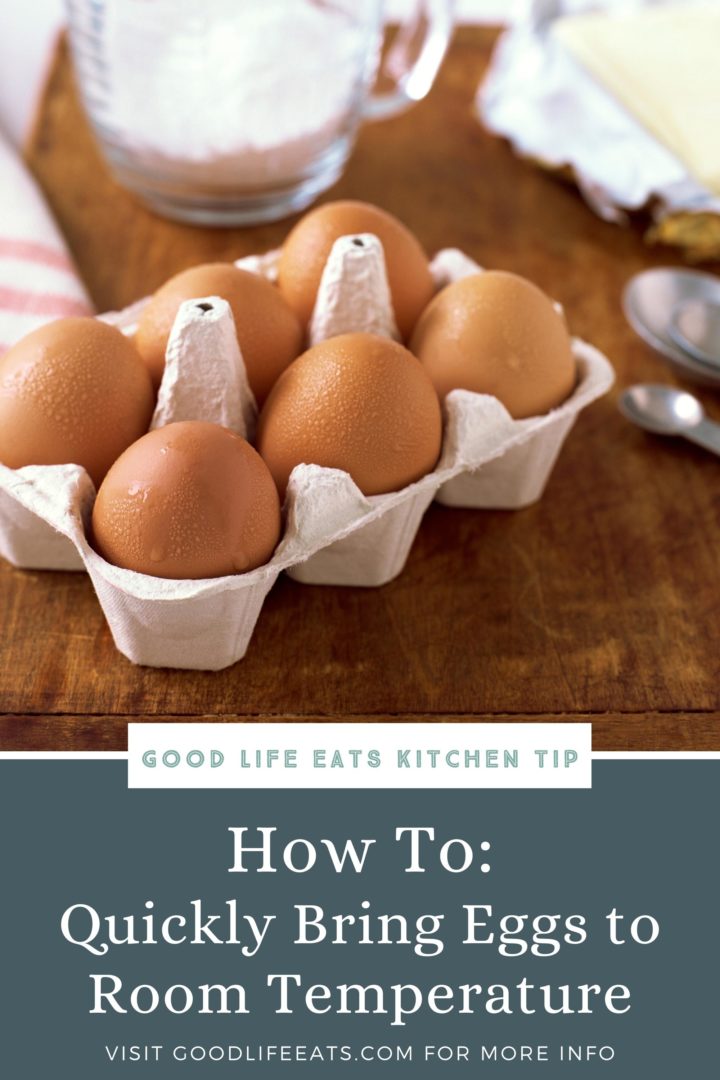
x,y
333,533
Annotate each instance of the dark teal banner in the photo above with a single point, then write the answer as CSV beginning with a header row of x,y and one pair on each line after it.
x,y
355,934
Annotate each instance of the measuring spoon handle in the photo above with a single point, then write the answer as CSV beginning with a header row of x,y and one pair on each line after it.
x,y
705,434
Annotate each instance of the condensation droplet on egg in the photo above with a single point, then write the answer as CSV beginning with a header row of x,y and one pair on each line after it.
x,y
138,488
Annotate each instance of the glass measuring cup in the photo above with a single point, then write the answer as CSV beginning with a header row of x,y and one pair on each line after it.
x,y
227,112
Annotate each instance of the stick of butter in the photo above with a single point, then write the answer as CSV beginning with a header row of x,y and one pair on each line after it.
x,y
662,64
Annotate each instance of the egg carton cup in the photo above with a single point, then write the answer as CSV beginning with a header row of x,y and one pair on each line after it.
x,y
517,477
198,624
488,460
333,533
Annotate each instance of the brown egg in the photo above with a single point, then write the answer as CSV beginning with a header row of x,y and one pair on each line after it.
x,y
357,402
74,392
190,500
269,333
496,333
306,249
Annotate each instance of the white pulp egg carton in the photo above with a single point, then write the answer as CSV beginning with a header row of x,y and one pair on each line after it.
x,y
333,533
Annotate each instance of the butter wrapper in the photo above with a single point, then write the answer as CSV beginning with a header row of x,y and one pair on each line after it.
x,y
553,112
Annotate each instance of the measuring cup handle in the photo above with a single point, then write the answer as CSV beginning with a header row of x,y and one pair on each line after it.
x,y
414,58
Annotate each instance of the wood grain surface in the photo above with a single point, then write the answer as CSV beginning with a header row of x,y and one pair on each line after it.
x,y
601,602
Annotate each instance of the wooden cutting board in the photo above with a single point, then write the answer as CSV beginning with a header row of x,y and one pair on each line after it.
x,y
601,602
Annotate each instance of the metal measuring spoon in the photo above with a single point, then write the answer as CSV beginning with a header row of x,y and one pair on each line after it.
x,y
649,301
695,327
663,410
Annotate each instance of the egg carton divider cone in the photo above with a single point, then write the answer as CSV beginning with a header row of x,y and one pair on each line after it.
x,y
333,533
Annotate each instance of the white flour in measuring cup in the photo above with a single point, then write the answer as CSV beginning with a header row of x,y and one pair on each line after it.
x,y
237,94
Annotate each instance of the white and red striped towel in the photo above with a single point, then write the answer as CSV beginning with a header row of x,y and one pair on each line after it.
x,y
38,281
